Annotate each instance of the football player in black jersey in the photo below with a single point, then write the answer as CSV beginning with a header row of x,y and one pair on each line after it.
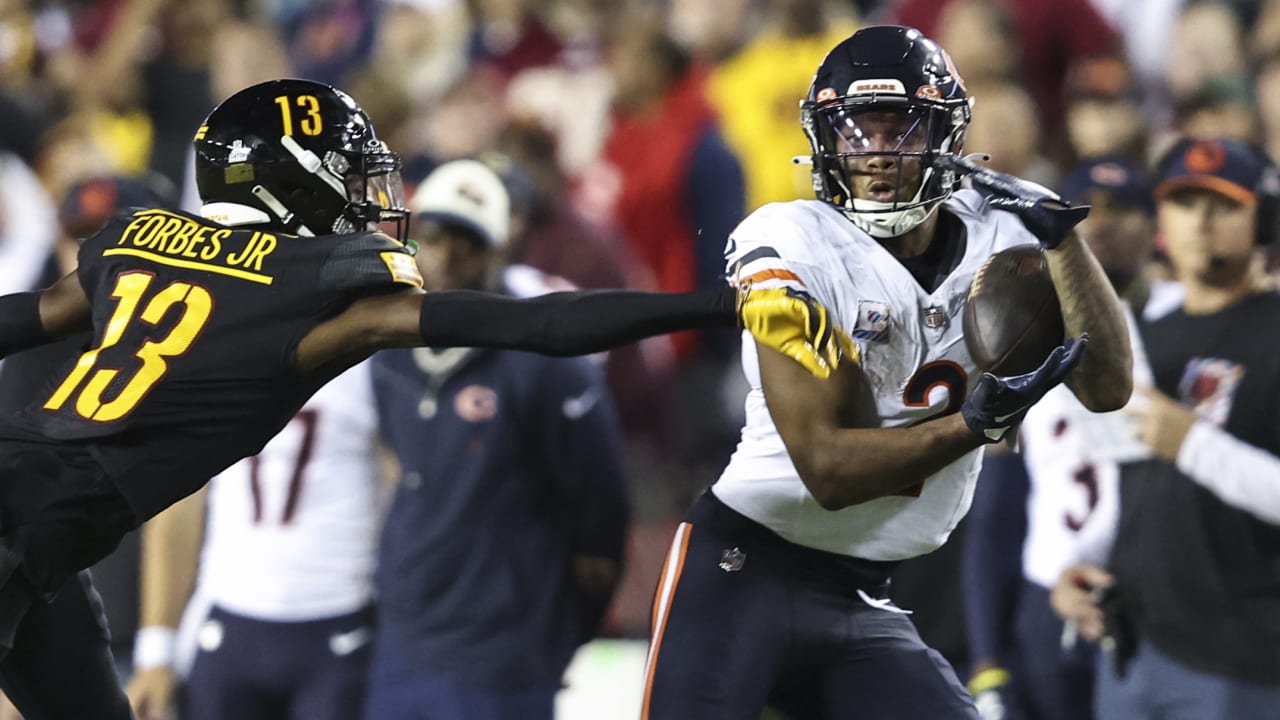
x,y
210,330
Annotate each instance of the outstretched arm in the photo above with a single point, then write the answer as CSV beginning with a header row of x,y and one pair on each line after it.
x,y
566,323
34,318
572,323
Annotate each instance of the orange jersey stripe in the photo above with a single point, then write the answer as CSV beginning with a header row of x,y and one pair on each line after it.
x,y
772,274
671,570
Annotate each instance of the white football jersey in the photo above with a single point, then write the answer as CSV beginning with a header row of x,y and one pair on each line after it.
x,y
913,356
291,533
1073,460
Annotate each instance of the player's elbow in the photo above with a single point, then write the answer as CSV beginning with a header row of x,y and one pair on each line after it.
x,y
827,484
1107,393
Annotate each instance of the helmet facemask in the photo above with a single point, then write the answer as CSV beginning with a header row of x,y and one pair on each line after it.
x,y
876,157
369,182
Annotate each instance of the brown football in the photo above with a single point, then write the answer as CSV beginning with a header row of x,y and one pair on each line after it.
x,y
1012,320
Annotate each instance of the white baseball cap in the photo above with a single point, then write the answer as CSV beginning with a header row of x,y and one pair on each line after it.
x,y
466,193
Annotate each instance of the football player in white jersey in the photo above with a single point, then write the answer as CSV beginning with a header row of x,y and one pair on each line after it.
x,y
775,589
280,615
1060,490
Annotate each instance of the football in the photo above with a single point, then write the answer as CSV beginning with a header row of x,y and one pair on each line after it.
x,y
1012,320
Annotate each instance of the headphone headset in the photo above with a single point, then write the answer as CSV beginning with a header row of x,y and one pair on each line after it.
x,y
1267,189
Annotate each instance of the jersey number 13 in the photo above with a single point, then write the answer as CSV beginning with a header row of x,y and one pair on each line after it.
x,y
88,383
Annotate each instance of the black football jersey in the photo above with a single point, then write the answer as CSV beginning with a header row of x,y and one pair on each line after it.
x,y
195,326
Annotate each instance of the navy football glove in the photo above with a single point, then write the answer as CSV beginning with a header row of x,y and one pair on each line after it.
x,y
998,404
1043,211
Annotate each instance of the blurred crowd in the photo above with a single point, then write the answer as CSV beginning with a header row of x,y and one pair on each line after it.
x,y
632,135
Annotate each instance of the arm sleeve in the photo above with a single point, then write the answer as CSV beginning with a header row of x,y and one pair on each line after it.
x,y
20,324
991,566
1241,475
569,323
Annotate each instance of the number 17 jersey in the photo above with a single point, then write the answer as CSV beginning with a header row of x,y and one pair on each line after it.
x,y
913,360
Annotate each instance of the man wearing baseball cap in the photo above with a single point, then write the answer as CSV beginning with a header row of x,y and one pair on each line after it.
x,y
504,541
1191,586
1015,639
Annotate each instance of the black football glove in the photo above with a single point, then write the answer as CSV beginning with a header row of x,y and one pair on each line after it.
x,y
998,404
1043,211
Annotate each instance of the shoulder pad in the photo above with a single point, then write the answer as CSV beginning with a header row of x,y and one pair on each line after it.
x,y
370,259
779,241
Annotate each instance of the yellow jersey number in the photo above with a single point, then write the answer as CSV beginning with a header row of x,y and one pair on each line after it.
x,y
311,123
130,290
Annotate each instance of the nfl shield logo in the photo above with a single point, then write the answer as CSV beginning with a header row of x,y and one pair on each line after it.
x,y
732,560
935,317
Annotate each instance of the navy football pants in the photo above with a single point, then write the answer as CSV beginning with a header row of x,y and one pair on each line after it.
x,y
743,619
250,669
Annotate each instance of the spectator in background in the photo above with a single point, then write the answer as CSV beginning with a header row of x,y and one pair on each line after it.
x,y
983,38
1104,110
504,540
281,611
1007,126
1207,42
327,39
1266,92
1031,509
711,32
550,235
773,71
510,36
1192,588
1221,107
677,189
1049,35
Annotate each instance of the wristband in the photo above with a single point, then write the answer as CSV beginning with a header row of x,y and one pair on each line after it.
x,y
988,679
154,647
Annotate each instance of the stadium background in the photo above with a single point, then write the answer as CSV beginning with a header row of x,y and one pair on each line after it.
x,y
588,100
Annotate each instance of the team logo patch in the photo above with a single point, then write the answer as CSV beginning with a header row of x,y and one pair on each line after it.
x,y
825,94
873,322
1208,387
928,92
882,85
476,403
1205,157
732,560
404,269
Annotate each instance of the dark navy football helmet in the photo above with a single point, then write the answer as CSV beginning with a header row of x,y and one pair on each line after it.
x,y
884,106
299,155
